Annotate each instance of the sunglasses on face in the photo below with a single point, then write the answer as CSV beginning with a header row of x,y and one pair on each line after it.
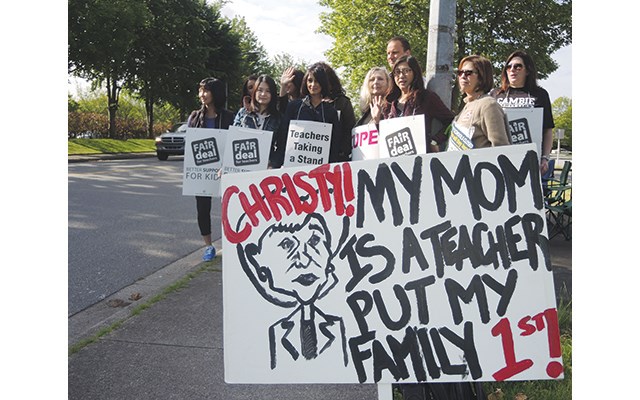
x,y
516,66
465,72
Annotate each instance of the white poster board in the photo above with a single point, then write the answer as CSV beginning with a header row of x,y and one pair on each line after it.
x,y
402,136
364,143
246,150
203,153
430,268
308,143
525,125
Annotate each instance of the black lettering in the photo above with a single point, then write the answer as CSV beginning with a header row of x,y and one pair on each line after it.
x,y
411,249
419,287
476,289
412,186
405,308
467,345
358,356
513,177
498,196
360,313
505,291
384,185
408,347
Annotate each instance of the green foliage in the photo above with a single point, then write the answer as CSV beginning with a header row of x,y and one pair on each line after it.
x,y
493,28
253,60
562,113
91,115
101,37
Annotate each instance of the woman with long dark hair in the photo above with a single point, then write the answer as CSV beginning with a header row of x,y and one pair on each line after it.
x,y
408,96
263,112
211,114
315,106
519,88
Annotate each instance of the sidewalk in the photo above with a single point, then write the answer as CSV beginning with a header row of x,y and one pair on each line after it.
x,y
173,349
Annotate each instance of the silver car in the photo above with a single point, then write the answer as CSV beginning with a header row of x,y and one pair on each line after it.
x,y
171,142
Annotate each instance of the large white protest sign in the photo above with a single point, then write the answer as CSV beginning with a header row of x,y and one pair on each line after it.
x,y
403,136
525,125
365,143
425,268
203,153
246,150
308,143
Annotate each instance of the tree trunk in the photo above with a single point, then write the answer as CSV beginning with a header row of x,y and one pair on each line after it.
x,y
112,96
148,105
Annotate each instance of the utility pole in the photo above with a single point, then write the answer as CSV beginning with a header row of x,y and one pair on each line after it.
x,y
440,67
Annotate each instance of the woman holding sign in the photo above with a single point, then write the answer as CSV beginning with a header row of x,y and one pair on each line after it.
x,y
520,89
408,96
263,110
212,114
481,123
314,106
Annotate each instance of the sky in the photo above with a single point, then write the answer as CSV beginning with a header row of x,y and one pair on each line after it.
x,y
289,26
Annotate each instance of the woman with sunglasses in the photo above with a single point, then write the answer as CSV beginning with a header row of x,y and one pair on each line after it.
x,y
519,88
481,123
408,96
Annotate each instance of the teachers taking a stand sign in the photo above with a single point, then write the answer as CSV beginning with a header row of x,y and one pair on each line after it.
x,y
423,268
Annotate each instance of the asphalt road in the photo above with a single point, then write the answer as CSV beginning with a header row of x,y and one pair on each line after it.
x,y
127,219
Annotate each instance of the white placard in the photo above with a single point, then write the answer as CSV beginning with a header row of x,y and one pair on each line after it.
x,y
402,136
525,125
365,143
203,154
246,150
308,143
428,268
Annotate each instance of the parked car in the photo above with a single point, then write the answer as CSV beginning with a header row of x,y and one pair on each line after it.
x,y
171,142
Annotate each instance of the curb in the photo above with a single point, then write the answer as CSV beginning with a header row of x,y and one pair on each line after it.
x,y
119,305
107,156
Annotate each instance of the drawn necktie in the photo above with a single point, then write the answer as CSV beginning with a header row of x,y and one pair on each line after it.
x,y
309,339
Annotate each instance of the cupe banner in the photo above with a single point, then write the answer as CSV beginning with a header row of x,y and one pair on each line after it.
x,y
425,268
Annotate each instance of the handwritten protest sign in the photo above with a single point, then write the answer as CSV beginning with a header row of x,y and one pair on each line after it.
x,y
308,143
430,268
203,154
364,143
403,136
246,150
525,126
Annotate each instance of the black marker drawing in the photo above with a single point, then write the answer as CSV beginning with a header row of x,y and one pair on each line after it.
x,y
291,266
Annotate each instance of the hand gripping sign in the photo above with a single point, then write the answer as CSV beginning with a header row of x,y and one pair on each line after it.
x,y
308,143
203,155
425,268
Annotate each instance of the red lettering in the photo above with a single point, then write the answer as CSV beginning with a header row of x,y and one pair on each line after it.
x,y
274,197
512,367
230,234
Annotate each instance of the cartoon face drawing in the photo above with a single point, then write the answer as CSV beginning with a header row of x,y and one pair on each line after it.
x,y
298,260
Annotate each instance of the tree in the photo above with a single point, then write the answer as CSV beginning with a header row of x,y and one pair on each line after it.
x,y
493,28
562,112
101,37
170,51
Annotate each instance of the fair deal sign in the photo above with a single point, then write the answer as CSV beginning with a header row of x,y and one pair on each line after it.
x,y
423,268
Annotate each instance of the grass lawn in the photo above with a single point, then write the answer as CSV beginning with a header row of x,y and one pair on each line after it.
x,y
97,146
